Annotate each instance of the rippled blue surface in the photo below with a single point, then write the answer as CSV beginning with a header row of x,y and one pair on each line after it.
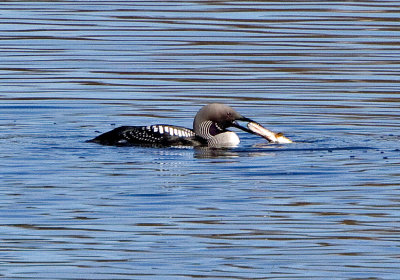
x,y
324,73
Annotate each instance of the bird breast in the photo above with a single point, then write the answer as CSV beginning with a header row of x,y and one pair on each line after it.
x,y
226,139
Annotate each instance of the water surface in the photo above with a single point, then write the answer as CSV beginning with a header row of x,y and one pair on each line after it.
x,y
325,74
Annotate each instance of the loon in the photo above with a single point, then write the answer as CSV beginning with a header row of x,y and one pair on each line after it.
x,y
209,129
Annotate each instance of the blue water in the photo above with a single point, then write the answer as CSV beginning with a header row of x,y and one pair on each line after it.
x,y
324,207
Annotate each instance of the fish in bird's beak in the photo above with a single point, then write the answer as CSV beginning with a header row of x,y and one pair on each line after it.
x,y
244,119
256,128
271,136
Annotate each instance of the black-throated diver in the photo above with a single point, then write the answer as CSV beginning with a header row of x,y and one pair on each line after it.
x,y
209,129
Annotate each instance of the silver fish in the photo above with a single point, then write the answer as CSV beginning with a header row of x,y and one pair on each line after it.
x,y
271,136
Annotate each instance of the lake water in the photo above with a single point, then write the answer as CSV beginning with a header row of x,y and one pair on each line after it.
x,y
324,73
